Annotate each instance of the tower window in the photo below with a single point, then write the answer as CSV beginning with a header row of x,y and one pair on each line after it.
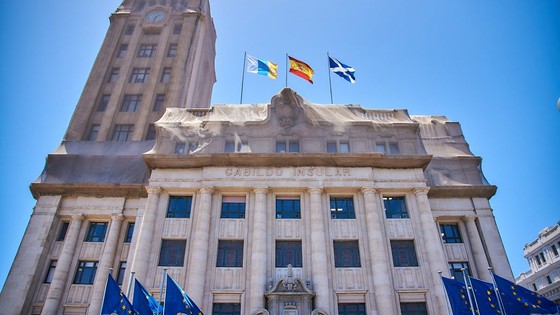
x,y
450,233
288,208
86,272
172,50
122,51
102,106
151,133
129,29
342,208
140,75
179,207
395,208
177,28
230,253
122,132
404,254
50,272
146,50
288,253
233,207
166,75
158,103
131,103
346,254
62,232
96,232
172,253
93,132
114,75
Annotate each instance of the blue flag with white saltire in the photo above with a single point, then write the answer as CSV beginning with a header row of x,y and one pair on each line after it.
x,y
457,296
518,300
344,71
177,301
485,296
144,302
115,302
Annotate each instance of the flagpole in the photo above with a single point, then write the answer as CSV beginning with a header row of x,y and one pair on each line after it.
x,y
105,291
468,291
161,287
500,302
329,70
243,77
441,280
130,283
287,62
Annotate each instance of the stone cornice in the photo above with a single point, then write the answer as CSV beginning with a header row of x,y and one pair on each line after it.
x,y
88,190
465,191
376,160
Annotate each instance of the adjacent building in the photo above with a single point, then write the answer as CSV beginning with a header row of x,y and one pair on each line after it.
x,y
544,261
285,207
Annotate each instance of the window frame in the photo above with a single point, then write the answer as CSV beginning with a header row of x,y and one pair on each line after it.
x,y
50,271
97,231
230,254
414,308
146,50
288,146
131,103
62,231
226,309
288,207
346,254
172,50
129,232
288,252
233,207
123,49
113,75
450,233
351,309
121,272
177,28
343,207
401,253
159,101
151,132
336,146
122,132
389,147
175,213
139,75
393,212
236,146
103,102
172,253
166,75
455,267
85,273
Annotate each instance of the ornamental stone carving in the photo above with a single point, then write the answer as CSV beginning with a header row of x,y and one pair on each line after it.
x,y
287,105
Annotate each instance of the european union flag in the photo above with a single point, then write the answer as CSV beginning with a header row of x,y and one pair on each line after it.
x,y
177,301
115,302
344,71
458,297
486,298
519,301
144,302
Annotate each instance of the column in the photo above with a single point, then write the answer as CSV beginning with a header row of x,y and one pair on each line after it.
x,y
384,291
196,269
106,262
258,252
144,244
58,283
480,261
434,249
493,241
319,256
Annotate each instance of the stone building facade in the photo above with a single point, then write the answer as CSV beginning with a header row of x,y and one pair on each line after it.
x,y
285,207
544,260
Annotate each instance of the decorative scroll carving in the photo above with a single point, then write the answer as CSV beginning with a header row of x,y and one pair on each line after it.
x,y
287,107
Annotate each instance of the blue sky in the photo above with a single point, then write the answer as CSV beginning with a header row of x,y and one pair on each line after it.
x,y
494,66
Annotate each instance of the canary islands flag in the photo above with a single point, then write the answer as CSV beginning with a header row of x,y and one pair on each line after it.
x,y
262,67
301,69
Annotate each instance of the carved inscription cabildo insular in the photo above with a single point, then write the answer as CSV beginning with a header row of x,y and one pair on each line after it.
x,y
288,172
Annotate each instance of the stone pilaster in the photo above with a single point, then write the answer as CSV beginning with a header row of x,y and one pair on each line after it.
x,y
257,281
434,250
383,290
106,262
493,241
58,283
145,236
319,255
479,256
196,269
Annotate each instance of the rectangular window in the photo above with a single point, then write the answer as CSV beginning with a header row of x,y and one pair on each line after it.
x,y
172,253
233,207
177,28
534,287
179,207
146,50
543,258
554,250
129,232
131,103
404,254
236,146
417,308
288,208
62,232
86,272
548,279
387,147
158,103
50,272
342,208
166,75
122,132
226,309
346,254
103,102
180,147
172,50
230,254
114,75
538,260
151,133
395,208
193,146
140,75
96,232
288,253
122,51
129,29
93,132
120,274
456,270
338,146
450,233
352,309
331,147
284,146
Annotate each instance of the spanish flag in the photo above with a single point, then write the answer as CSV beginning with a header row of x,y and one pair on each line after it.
x,y
301,69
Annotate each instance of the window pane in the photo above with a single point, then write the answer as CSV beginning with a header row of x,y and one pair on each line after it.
x,y
288,252
344,147
86,272
233,208
346,254
179,207
172,51
380,147
229,147
394,148
331,147
226,309
230,254
395,207
414,308
96,232
151,133
122,132
280,146
288,208
62,232
50,272
404,254
103,103
158,103
456,270
294,146
450,233
172,253
177,29
129,232
120,275
93,132
352,309
342,208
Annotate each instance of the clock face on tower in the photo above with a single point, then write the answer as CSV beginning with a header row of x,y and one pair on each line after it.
x,y
155,16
